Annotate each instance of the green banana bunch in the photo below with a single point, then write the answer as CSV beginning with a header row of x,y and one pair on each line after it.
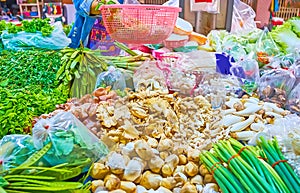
x,y
79,70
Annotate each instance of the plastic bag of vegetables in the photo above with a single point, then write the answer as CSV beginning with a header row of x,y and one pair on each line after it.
x,y
294,100
112,77
24,40
71,140
275,86
266,48
14,150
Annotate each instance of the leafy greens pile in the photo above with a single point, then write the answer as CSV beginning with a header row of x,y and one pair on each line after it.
x,y
28,88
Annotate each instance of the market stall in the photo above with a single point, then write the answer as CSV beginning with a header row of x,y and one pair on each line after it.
x,y
175,111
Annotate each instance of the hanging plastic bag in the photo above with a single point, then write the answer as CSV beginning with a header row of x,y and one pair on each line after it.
x,y
15,150
275,86
266,48
294,100
23,40
71,140
211,6
242,18
112,77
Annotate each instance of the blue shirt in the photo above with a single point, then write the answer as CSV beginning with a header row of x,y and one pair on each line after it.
x,y
83,22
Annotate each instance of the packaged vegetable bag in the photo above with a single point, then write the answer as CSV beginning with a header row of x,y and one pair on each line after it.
x,y
112,77
71,140
15,150
294,100
275,86
266,48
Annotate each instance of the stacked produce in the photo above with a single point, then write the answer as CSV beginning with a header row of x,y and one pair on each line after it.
x,y
156,138
247,116
28,88
149,140
252,169
81,66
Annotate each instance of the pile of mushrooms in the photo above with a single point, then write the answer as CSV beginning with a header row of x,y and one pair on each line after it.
x,y
247,116
155,140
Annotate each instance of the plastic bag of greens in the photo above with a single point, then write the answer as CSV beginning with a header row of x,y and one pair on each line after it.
x,y
266,48
71,140
24,40
15,150
112,77
294,100
275,86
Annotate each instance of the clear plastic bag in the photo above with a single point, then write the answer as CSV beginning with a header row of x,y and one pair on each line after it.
x,y
266,48
242,18
211,85
23,40
275,86
15,150
149,77
112,77
71,140
294,100
247,71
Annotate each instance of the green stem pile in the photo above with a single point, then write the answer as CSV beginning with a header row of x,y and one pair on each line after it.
x,y
248,171
79,70
274,156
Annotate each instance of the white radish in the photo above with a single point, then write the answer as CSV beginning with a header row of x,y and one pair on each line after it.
x,y
250,110
243,135
242,125
252,100
231,119
232,101
257,126
228,111
275,115
274,108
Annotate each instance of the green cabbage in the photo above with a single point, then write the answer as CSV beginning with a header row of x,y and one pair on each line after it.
x,y
286,38
295,22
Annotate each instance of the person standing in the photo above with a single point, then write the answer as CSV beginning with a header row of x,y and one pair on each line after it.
x,y
85,17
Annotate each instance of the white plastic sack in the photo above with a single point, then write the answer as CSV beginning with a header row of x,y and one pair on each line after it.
x,y
210,6
24,40
242,18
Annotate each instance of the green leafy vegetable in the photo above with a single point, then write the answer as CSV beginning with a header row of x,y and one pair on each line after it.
x,y
286,38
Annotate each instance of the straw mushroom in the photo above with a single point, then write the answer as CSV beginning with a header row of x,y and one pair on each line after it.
x,y
128,187
151,180
112,182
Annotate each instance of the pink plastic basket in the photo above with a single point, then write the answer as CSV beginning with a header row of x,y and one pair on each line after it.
x,y
139,24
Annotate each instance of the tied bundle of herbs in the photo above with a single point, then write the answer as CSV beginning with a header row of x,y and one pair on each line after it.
x,y
28,88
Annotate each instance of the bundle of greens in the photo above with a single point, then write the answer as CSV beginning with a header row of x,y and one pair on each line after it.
x,y
249,170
